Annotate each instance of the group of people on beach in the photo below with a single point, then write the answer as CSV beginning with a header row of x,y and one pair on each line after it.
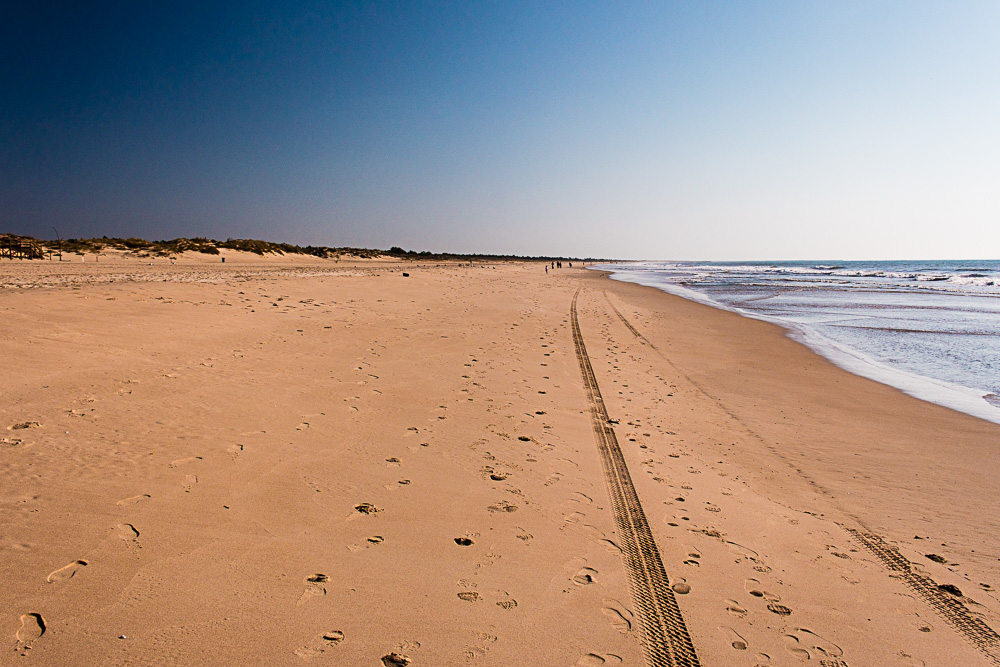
x,y
557,265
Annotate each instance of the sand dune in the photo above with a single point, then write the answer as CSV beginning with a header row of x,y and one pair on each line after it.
x,y
329,463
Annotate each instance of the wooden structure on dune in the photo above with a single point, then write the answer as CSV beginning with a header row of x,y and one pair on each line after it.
x,y
15,247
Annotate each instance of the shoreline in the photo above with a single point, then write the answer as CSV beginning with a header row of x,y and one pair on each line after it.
x,y
914,474
968,400
408,467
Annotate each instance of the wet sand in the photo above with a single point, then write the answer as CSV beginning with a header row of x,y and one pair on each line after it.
x,y
308,462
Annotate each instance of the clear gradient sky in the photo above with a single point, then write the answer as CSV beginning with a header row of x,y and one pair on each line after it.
x,y
659,130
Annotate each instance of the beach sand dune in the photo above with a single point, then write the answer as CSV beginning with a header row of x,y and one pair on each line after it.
x,y
329,463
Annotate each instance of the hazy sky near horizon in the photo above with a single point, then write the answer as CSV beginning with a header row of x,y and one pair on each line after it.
x,y
657,130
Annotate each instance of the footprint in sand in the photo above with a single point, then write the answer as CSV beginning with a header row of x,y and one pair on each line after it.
x,y
484,641
23,425
806,644
744,552
189,482
779,609
32,627
180,462
584,576
694,556
234,451
127,532
503,506
65,572
750,555
396,660
610,545
507,603
735,608
596,660
754,588
368,542
334,636
315,587
618,615
567,462
327,641
735,639
132,500
366,509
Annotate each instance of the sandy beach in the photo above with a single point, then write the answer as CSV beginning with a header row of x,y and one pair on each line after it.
x,y
294,461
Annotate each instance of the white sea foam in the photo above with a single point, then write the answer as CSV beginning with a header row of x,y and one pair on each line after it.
x,y
973,402
927,329
978,280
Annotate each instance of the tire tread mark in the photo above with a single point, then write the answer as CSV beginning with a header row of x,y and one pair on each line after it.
x,y
628,324
978,633
665,637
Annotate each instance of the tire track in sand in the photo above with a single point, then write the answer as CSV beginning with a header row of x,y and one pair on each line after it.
x,y
664,636
953,611
628,324
956,614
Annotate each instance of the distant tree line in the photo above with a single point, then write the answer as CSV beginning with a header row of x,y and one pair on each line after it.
x,y
208,246
396,251
196,244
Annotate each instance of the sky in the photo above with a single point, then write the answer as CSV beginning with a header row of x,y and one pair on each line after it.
x,y
630,130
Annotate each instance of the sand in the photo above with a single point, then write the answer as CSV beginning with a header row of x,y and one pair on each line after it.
x,y
300,461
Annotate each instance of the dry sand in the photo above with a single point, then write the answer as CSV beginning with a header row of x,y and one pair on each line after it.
x,y
300,461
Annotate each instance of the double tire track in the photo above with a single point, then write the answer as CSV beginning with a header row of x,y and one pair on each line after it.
x,y
635,332
664,636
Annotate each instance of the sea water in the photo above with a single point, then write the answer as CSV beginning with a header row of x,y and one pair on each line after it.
x,y
929,328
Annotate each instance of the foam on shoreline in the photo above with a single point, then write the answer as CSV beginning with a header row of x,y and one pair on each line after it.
x,y
968,400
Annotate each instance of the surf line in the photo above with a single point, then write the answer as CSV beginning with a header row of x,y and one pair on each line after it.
x,y
664,636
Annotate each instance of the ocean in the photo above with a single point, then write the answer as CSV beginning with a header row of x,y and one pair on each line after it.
x,y
929,328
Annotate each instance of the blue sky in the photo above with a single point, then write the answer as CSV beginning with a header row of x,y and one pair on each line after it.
x,y
681,130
